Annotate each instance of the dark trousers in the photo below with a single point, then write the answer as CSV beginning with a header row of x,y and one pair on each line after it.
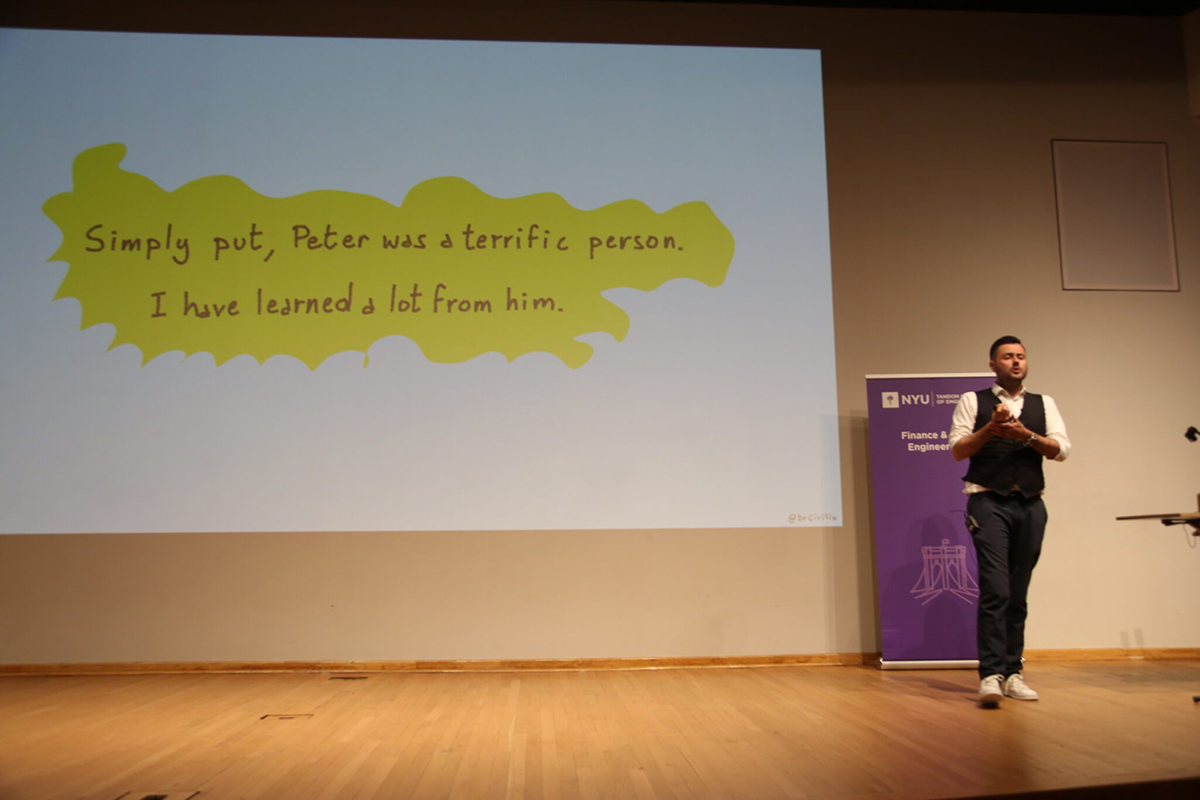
x,y
1008,542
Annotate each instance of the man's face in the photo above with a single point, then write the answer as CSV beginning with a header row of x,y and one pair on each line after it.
x,y
1009,364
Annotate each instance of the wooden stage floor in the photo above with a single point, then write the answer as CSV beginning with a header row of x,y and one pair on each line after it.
x,y
777,732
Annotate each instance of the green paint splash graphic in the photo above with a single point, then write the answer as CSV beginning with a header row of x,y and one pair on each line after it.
x,y
216,267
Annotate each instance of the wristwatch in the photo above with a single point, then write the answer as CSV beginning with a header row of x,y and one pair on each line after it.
x,y
1031,440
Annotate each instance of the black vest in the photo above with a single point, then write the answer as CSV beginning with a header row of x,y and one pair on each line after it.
x,y
1002,464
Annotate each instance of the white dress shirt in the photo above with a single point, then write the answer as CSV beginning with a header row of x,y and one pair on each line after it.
x,y
963,423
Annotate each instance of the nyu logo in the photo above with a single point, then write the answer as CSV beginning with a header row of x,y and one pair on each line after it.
x,y
895,399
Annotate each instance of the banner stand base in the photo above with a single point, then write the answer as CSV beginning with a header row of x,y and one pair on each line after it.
x,y
971,664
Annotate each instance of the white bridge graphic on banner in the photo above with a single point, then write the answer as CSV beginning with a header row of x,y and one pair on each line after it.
x,y
944,569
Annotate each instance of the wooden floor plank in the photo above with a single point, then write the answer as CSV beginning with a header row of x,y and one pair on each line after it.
x,y
716,734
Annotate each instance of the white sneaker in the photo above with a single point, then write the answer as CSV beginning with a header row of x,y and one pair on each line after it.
x,y
1015,688
991,691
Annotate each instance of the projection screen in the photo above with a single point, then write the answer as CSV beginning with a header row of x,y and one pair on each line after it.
x,y
296,284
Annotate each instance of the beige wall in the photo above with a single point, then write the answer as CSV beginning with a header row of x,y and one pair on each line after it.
x,y
944,236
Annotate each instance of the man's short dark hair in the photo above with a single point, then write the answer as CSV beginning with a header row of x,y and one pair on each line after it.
x,y
1002,340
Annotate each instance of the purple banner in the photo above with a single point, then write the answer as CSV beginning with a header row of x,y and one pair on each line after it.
x,y
928,591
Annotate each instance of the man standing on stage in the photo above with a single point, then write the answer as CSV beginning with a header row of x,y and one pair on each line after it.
x,y
1007,433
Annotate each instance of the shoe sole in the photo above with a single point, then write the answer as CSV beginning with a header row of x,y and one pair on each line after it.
x,y
990,700
1024,699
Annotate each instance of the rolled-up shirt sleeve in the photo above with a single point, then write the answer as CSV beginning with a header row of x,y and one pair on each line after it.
x,y
1055,429
963,421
